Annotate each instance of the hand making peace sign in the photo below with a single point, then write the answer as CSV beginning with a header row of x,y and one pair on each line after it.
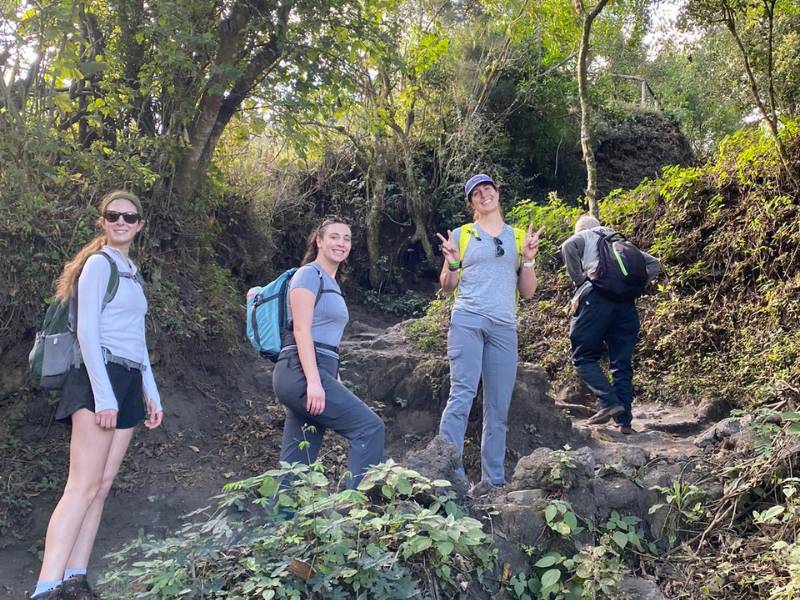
x,y
531,246
449,249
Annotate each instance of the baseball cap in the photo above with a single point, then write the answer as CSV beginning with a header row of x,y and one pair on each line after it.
x,y
477,180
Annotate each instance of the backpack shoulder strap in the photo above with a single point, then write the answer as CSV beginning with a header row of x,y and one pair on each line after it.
x,y
113,279
468,231
519,242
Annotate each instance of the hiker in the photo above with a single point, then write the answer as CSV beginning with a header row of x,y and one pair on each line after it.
x,y
602,321
488,262
306,376
102,400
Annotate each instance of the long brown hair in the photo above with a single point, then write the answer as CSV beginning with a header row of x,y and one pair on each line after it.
x,y
319,232
65,285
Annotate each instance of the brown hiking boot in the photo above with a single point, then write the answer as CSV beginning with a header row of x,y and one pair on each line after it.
x,y
77,588
51,595
627,429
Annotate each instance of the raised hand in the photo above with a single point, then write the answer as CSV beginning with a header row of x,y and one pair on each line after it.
x,y
449,249
531,246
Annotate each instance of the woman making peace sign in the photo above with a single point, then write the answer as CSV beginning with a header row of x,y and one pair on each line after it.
x,y
482,341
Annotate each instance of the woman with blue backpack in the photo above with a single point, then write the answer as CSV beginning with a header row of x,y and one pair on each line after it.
x,y
488,264
102,399
306,375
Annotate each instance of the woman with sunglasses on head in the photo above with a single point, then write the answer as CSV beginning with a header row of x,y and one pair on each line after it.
x,y
305,378
482,340
103,399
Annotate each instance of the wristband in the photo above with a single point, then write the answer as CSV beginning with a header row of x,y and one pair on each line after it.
x,y
454,265
529,264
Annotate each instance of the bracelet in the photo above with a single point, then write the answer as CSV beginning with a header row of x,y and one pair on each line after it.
x,y
454,265
529,264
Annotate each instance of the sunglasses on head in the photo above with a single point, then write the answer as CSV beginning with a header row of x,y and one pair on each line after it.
x,y
112,216
498,247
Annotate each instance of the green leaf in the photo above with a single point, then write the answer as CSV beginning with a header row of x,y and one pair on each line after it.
x,y
620,539
550,578
444,548
571,520
548,560
550,512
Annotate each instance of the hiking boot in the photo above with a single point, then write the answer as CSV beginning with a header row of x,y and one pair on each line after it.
x,y
77,588
604,415
627,429
482,489
51,595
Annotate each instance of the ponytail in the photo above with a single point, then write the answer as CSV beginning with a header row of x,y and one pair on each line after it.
x,y
66,282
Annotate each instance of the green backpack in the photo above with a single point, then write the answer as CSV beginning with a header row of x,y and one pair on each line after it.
x,y
56,347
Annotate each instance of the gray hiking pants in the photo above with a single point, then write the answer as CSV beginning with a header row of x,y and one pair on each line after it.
x,y
344,413
477,348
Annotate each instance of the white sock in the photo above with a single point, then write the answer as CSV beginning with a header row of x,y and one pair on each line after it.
x,y
73,572
46,586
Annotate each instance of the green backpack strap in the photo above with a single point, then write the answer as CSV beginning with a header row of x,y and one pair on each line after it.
x,y
519,242
468,231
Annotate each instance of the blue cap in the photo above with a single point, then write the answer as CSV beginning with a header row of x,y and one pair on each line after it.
x,y
477,180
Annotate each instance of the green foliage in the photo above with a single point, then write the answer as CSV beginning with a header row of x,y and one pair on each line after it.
x,y
595,569
429,333
683,505
398,536
555,216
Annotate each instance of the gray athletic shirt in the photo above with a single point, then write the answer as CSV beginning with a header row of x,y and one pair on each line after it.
x,y
488,285
330,313
120,327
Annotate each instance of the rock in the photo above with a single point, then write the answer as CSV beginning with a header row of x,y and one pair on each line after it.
x,y
525,496
719,431
620,494
438,460
523,524
549,470
575,392
638,588
631,458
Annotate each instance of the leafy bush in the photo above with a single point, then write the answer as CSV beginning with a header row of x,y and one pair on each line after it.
x,y
399,535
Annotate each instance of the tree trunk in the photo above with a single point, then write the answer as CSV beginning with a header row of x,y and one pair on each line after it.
x,y
376,176
220,101
417,208
587,18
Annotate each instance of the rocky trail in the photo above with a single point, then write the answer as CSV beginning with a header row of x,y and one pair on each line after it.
x,y
223,424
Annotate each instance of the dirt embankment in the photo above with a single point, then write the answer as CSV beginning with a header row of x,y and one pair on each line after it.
x,y
223,424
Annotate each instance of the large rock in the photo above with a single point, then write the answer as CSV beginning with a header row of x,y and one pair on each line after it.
x,y
637,588
438,460
553,470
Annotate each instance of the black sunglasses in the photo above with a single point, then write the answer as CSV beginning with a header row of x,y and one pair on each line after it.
x,y
498,247
112,216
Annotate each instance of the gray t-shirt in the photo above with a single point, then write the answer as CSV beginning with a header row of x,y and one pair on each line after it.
x,y
330,313
488,285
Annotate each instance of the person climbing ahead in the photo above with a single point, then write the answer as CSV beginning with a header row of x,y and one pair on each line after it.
x,y
488,262
305,378
605,318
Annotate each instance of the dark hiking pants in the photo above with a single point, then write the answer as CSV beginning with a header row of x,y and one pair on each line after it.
x,y
597,326
344,413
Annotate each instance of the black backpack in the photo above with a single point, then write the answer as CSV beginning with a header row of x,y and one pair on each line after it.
x,y
621,273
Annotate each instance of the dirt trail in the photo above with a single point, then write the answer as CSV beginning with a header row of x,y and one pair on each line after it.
x,y
223,424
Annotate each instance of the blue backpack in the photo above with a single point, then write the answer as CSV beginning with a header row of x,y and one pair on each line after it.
x,y
268,324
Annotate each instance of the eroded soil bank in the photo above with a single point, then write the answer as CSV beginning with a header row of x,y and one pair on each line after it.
x,y
224,424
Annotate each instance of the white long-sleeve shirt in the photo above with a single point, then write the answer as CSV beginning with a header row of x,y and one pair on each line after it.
x,y
120,327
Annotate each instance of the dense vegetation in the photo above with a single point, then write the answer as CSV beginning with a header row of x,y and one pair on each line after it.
x,y
240,123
